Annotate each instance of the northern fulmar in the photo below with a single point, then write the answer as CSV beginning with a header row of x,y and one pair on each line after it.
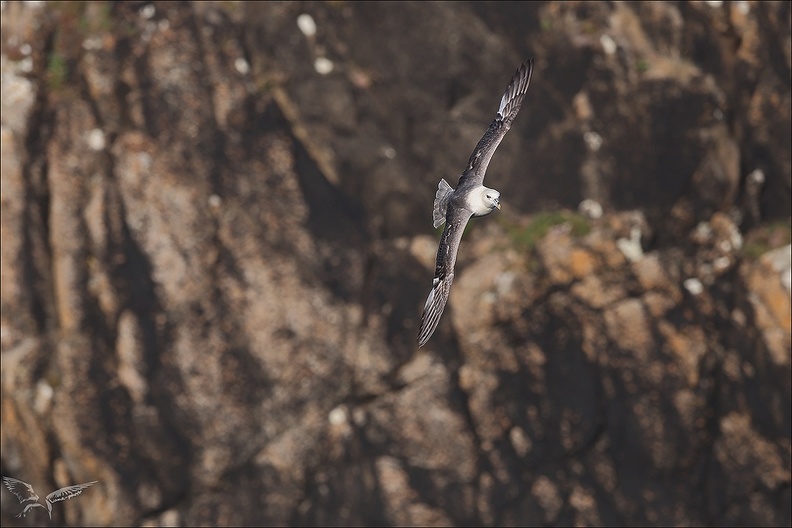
x,y
24,492
470,198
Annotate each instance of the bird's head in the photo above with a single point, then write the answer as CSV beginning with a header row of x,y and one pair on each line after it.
x,y
483,201
492,199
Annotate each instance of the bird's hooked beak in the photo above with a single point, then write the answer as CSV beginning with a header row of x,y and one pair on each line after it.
x,y
498,205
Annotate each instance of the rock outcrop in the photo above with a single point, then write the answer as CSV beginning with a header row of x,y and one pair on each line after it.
x,y
216,243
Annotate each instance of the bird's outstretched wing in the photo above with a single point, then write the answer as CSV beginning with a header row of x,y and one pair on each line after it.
x,y
68,492
509,106
30,507
23,491
444,273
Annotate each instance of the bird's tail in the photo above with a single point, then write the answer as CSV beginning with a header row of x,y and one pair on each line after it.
x,y
442,197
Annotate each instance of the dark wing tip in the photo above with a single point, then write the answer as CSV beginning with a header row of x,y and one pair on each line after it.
x,y
433,309
525,70
515,92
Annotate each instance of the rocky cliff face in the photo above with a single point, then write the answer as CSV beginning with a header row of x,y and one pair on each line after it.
x,y
216,241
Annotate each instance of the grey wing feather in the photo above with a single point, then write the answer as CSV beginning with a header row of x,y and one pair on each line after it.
x,y
69,491
444,274
509,107
23,491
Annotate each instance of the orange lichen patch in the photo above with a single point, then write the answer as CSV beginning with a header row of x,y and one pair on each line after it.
x,y
581,263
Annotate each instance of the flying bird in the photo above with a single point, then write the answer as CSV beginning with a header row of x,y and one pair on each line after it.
x,y
24,492
470,198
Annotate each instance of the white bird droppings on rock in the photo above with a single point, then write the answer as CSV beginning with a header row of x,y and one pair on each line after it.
x,y
148,11
593,140
323,65
337,416
693,285
721,264
44,394
590,208
242,66
96,139
608,44
631,248
756,176
306,24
